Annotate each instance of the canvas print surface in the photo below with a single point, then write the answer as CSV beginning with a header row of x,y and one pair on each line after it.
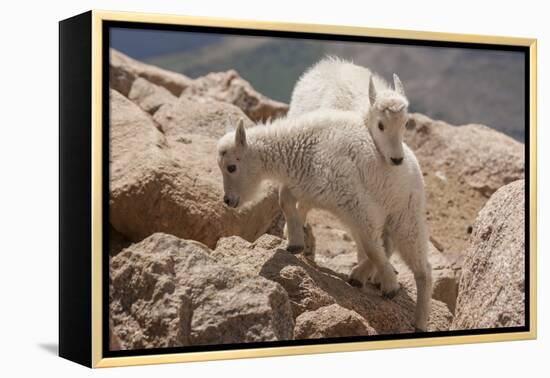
x,y
267,190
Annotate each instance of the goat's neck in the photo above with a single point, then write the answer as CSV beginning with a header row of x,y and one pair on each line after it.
x,y
272,156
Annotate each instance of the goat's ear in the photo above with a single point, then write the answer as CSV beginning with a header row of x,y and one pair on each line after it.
x,y
240,134
411,124
372,91
398,85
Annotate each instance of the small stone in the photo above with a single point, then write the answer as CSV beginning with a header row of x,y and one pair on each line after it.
x,y
437,244
184,140
331,321
441,176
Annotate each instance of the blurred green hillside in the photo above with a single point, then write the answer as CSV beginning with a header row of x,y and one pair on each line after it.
x,y
271,66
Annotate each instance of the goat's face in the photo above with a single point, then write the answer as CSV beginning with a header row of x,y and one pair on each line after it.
x,y
240,174
387,119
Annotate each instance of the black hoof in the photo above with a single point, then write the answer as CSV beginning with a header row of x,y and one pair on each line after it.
x,y
355,283
295,249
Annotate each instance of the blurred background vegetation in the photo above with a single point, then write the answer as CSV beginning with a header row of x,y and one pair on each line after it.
x,y
456,85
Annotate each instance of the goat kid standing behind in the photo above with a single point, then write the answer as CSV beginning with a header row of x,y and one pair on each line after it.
x,y
337,84
325,159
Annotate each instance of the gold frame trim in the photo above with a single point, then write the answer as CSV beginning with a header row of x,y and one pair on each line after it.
x,y
99,16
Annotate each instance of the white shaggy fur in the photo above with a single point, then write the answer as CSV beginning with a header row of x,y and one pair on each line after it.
x,y
337,84
327,159
333,83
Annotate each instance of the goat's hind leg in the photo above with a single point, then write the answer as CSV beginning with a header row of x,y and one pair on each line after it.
x,y
294,224
309,239
384,270
389,248
302,211
372,259
364,269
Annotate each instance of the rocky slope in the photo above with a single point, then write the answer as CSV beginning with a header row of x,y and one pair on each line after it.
x,y
220,87
186,270
163,164
167,291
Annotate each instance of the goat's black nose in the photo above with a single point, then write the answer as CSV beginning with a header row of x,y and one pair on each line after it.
x,y
226,200
396,161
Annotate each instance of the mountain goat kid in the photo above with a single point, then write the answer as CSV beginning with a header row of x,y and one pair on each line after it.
x,y
333,83
327,159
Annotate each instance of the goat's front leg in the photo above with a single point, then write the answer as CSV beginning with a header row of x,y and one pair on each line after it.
x,y
294,224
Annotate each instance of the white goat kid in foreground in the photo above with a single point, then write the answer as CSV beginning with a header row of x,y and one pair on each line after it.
x,y
326,159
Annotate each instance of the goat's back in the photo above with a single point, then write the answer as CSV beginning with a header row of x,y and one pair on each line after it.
x,y
332,84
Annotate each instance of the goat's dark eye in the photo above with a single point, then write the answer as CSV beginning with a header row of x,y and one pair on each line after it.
x,y
231,168
381,126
